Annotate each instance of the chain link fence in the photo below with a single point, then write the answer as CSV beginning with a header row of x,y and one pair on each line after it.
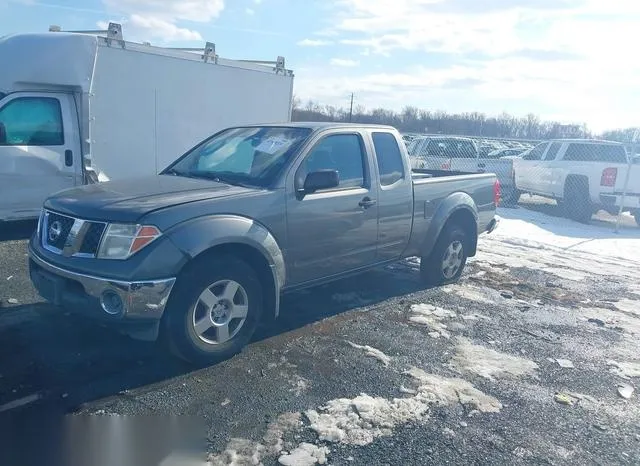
x,y
585,180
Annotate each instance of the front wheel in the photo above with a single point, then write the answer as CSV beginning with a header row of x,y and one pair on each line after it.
x,y
213,310
447,260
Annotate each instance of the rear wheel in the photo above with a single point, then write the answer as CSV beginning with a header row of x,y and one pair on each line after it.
x,y
512,197
213,310
577,204
447,260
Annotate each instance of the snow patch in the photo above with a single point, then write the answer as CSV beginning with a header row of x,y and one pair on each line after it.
x,y
472,293
430,316
360,420
306,454
489,363
612,319
447,391
299,385
567,274
372,352
625,369
240,452
628,305
559,246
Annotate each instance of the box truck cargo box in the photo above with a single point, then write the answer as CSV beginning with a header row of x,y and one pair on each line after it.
x,y
78,108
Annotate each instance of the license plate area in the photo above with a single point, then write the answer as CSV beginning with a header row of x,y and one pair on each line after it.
x,y
50,286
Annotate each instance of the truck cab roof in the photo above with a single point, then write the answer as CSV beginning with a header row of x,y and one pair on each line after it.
x,y
325,125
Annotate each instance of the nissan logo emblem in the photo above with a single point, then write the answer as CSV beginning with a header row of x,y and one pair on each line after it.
x,y
55,230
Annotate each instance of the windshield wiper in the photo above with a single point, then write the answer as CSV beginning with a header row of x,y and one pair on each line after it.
x,y
174,172
222,177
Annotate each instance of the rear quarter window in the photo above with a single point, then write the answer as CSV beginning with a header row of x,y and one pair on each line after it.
x,y
388,157
583,152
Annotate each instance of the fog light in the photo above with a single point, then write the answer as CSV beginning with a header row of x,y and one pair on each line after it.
x,y
111,302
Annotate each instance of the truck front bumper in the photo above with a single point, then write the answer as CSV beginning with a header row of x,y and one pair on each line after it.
x,y
102,298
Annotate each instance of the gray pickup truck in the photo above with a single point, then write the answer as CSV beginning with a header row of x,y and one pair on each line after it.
x,y
197,255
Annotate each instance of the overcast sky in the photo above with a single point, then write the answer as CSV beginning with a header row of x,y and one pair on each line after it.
x,y
571,60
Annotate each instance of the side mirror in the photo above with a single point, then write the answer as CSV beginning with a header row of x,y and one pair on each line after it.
x,y
3,134
322,179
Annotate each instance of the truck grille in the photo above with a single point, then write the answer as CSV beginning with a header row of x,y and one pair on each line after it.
x,y
69,236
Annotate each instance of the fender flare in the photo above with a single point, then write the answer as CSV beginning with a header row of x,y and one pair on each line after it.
x,y
196,236
459,202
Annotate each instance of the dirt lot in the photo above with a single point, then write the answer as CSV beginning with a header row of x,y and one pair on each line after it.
x,y
525,361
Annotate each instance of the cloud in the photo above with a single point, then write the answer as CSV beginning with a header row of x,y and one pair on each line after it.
x,y
314,43
561,58
250,11
345,62
147,28
157,19
545,55
171,10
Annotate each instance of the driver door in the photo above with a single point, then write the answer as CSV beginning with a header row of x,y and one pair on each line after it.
x,y
332,231
39,151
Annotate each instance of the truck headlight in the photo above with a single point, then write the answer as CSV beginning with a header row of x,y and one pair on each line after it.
x,y
121,241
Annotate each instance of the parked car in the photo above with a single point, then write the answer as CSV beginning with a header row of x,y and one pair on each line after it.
x,y
583,175
497,154
461,154
202,251
80,108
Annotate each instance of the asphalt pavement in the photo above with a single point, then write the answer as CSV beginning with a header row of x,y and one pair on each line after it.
x,y
370,370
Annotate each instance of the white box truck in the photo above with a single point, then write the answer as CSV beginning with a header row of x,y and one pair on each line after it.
x,y
78,108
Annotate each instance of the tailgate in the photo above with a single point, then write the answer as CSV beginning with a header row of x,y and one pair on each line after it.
x,y
633,186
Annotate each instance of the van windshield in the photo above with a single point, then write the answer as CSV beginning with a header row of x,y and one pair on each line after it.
x,y
252,156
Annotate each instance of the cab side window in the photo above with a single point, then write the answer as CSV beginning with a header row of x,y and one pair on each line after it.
x,y
536,152
31,121
341,152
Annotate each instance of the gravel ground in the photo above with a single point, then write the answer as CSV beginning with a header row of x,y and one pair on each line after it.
x,y
370,370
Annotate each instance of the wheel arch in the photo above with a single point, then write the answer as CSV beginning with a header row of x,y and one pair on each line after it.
x,y
239,237
572,180
458,208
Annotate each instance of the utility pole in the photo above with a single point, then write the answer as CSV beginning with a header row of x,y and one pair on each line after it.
x,y
351,109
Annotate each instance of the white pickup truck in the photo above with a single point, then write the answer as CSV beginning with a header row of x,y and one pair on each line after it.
x,y
582,175
460,154
76,108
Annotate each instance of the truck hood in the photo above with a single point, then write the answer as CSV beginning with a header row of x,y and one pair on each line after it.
x,y
129,200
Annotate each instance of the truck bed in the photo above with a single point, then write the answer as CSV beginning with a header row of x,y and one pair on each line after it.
x,y
433,190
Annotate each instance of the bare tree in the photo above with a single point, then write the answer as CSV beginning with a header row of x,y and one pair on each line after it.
x,y
412,119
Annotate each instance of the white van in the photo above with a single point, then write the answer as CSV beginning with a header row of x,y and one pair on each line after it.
x,y
78,108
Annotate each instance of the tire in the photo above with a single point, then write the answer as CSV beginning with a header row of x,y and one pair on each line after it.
x,y
434,269
576,202
636,216
512,198
204,294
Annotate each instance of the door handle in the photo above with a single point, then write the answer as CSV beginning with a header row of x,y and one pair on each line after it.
x,y
68,158
367,202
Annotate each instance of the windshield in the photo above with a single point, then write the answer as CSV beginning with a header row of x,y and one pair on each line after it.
x,y
251,156
453,148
